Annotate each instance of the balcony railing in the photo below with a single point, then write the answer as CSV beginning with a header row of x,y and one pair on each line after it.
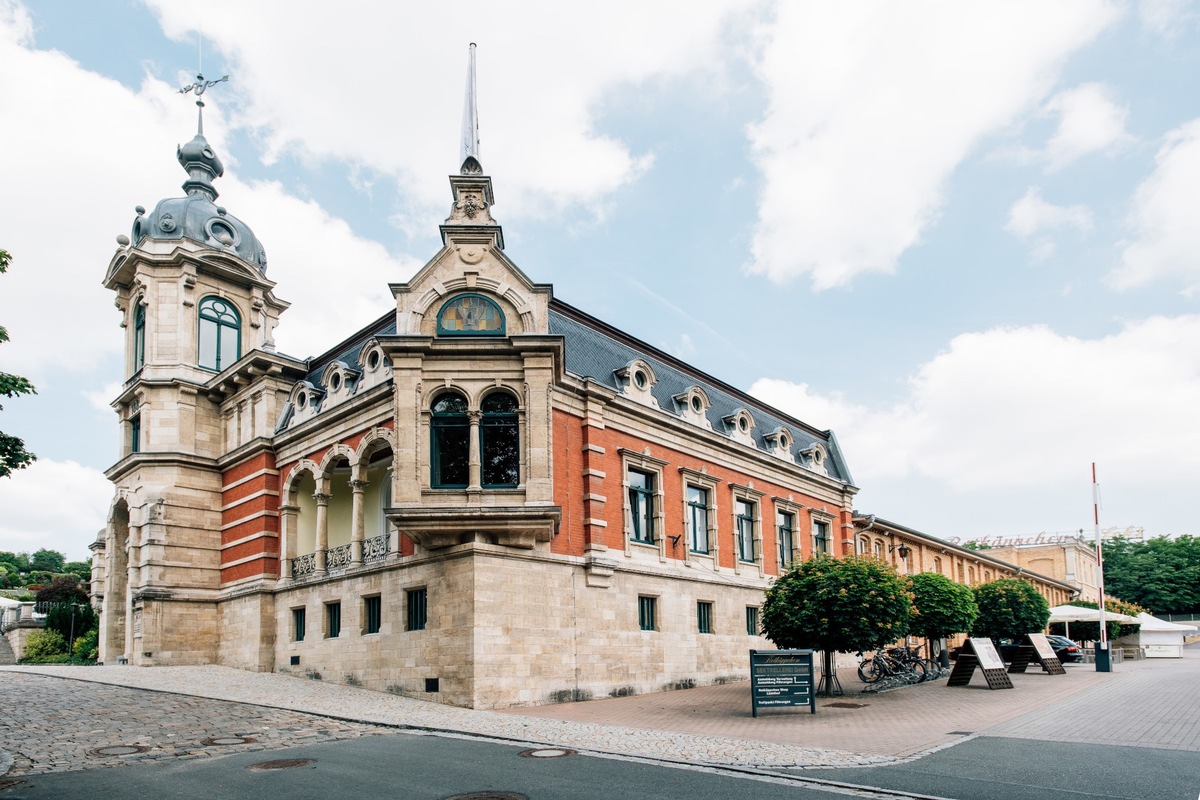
x,y
337,557
375,549
304,565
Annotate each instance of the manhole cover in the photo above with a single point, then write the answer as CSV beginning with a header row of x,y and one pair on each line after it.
x,y
120,750
281,763
547,752
488,796
847,705
224,740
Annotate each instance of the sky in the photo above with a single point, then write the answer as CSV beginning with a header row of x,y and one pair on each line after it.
x,y
963,236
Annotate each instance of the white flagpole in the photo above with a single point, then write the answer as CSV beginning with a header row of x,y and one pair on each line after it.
x,y
1103,657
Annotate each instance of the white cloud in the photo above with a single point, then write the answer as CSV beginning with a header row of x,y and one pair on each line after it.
x,y
1167,18
1089,121
1163,217
1009,416
101,399
1032,216
872,107
58,505
70,187
386,93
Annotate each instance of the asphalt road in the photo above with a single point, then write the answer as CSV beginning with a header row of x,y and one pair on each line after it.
x,y
416,767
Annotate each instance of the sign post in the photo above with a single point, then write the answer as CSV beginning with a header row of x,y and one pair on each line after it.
x,y
782,678
980,653
1036,648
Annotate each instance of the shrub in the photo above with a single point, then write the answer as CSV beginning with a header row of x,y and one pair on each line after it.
x,y
1009,608
43,645
87,647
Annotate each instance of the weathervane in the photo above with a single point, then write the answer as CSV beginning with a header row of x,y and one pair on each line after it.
x,y
201,85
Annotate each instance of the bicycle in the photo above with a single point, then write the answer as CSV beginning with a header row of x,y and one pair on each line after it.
x,y
893,661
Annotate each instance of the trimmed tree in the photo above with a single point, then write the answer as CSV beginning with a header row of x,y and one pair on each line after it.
x,y
1009,608
941,607
837,605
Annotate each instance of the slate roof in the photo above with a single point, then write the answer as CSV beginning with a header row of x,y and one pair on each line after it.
x,y
595,350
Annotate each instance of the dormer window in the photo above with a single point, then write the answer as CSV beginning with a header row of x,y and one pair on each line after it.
x,y
815,457
470,315
779,442
693,406
220,334
637,380
740,424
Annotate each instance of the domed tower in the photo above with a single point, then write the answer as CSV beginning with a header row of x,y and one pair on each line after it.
x,y
201,380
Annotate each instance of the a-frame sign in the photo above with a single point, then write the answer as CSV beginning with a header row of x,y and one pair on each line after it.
x,y
1036,647
979,653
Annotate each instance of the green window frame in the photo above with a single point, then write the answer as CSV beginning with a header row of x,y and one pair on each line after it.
x,y
416,607
298,624
219,341
450,437
500,441
745,530
704,617
752,628
373,611
470,315
820,537
139,337
785,523
135,433
333,620
697,519
647,613
641,505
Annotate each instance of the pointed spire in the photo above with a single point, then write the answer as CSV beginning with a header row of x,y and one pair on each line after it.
x,y
197,157
470,123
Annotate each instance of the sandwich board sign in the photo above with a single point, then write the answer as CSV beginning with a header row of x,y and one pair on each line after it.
x,y
781,678
980,653
1036,647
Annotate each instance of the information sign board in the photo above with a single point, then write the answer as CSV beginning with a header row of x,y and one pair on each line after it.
x,y
781,678
985,651
1042,645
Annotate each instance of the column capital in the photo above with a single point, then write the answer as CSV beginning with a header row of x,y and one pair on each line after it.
x,y
322,498
357,485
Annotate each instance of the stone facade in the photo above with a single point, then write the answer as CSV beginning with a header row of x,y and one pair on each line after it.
x,y
1072,562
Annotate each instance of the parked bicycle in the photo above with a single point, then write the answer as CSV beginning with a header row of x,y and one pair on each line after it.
x,y
894,661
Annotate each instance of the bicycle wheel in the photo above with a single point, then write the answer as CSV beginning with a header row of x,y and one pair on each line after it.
x,y
870,671
917,668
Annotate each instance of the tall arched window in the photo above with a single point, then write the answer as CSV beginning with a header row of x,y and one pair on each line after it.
x,y
450,447
139,336
220,334
500,441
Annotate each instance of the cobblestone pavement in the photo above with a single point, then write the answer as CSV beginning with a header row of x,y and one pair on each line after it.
x,y
53,723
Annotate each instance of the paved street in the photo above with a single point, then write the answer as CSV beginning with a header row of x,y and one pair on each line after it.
x,y
964,742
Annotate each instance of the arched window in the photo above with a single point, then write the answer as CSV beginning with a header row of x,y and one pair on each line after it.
x,y
450,447
470,315
139,336
500,441
220,334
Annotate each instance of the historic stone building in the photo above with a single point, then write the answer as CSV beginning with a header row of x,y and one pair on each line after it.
x,y
485,497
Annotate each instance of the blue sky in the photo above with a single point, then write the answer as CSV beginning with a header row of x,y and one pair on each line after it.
x,y
960,235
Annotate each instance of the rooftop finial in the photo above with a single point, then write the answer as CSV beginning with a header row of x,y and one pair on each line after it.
x,y
470,124
197,157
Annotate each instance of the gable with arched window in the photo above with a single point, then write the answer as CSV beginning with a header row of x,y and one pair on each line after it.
x,y
470,315
220,339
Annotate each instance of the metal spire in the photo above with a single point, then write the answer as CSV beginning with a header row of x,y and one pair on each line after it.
x,y
470,123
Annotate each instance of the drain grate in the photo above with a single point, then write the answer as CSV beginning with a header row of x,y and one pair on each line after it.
x,y
220,741
281,763
120,750
847,705
489,796
547,752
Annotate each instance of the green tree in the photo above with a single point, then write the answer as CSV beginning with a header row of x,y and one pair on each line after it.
x,y
1009,608
940,607
1161,574
63,589
47,560
971,544
80,569
837,605
13,455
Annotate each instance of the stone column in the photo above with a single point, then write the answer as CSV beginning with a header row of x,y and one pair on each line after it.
x,y
322,499
357,487
475,458
287,533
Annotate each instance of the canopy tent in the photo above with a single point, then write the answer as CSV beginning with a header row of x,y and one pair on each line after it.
x,y
1159,638
1069,614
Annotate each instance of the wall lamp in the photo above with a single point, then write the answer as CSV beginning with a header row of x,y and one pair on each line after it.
x,y
903,548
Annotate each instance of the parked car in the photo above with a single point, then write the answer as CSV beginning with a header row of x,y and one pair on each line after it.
x,y
1066,650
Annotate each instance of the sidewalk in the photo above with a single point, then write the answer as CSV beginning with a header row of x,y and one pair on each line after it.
x,y
1150,703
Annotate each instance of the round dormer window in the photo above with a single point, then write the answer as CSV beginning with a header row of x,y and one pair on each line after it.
x,y
818,457
373,360
222,231
743,425
783,442
335,381
697,406
639,379
302,399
